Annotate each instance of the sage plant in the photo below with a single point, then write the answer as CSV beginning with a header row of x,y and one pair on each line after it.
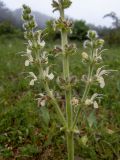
x,y
36,55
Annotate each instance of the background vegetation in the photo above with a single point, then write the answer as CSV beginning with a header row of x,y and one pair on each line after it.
x,y
30,132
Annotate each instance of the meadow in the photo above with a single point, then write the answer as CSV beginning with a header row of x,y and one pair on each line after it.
x,y
30,132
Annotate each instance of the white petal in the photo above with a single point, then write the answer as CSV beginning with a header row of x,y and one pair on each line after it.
x,y
30,58
30,43
88,102
103,72
50,76
99,70
42,44
32,82
27,63
46,72
33,75
41,94
29,51
95,105
102,82
94,96
98,58
43,103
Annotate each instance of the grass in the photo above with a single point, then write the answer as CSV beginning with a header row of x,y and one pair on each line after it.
x,y
24,127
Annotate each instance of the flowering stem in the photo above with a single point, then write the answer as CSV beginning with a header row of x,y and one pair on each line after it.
x,y
69,111
36,55
47,89
87,88
86,91
57,108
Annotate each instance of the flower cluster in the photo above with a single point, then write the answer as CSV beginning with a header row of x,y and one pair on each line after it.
x,y
99,76
93,58
95,44
35,53
61,4
92,100
62,24
34,78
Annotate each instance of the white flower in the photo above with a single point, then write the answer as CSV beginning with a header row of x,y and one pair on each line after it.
x,y
98,58
42,44
44,57
92,100
95,105
34,78
47,75
88,102
75,101
27,63
42,100
101,81
30,58
30,43
99,76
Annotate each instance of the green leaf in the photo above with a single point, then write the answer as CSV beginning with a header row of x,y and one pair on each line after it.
x,y
45,115
91,119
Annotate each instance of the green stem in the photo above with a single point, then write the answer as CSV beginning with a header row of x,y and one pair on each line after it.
x,y
70,145
57,108
49,93
69,110
87,89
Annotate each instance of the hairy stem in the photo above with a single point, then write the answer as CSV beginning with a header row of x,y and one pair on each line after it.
x,y
86,91
50,94
54,102
70,145
69,111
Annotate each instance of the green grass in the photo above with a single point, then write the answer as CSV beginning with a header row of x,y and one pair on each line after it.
x,y
24,127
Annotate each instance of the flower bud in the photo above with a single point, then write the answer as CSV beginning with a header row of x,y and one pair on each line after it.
x,y
28,10
24,6
32,24
25,17
92,34
85,56
99,43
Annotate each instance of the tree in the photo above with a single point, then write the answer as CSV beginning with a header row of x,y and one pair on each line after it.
x,y
80,29
116,20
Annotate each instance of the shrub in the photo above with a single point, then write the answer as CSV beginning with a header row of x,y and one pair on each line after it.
x,y
79,30
6,28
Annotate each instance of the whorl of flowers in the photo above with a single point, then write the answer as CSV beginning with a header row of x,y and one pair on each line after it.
x,y
35,53
93,58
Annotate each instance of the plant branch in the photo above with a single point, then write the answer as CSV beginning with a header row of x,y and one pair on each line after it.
x,y
50,94
86,91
